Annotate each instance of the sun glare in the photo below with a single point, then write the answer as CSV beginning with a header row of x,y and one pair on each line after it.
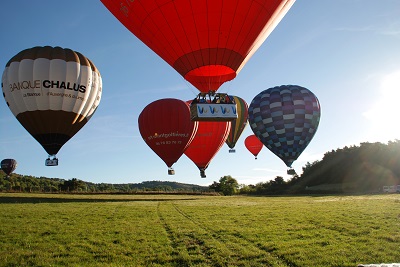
x,y
384,115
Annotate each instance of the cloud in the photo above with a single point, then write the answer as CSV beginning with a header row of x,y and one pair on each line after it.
x,y
392,30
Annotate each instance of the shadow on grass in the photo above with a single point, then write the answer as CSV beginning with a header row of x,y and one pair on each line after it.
x,y
37,200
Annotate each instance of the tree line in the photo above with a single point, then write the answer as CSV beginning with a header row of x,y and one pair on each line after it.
x,y
32,184
353,169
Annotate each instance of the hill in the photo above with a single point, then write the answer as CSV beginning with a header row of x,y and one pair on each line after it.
x,y
162,186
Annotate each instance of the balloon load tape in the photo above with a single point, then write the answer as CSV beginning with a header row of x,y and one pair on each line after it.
x,y
213,107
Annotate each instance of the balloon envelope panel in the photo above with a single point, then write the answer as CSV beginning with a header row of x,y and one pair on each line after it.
x,y
285,119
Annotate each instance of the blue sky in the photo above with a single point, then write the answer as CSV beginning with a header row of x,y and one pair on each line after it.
x,y
347,52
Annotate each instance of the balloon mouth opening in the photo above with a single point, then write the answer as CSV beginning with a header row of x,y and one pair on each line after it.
x,y
210,78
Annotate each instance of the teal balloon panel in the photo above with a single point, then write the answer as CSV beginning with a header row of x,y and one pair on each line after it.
x,y
285,119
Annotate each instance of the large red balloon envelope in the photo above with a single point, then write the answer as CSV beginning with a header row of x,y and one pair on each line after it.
x,y
166,128
253,144
207,42
209,139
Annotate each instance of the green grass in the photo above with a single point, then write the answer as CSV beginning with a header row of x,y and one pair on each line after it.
x,y
160,230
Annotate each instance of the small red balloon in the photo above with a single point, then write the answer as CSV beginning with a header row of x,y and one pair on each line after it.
x,y
253,144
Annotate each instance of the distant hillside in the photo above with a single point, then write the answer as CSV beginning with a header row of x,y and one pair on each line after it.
x,y
364,168
162,185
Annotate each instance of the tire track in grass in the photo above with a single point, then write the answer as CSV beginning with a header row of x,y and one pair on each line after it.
x,y
183,243
244,251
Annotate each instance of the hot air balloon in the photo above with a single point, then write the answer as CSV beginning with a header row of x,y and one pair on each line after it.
x,y
53,92
210,137
285,119
207,42
253,144
166,128
237,125
8,166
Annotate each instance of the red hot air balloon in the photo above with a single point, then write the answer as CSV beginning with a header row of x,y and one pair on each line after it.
x,y
237,125
207,42
253,144
209,139
166,128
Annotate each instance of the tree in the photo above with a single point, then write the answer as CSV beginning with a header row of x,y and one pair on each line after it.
x,y
227,186
215,186
73,185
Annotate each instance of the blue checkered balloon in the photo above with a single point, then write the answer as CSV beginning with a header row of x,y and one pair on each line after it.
x,y
285,119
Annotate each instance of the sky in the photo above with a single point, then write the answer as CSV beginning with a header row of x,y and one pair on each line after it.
x,y
347,52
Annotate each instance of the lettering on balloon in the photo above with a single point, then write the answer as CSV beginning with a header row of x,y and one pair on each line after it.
x,y
204,134
32,94
37,84
168,135
64,85
124,6
25,85
158,143
65,95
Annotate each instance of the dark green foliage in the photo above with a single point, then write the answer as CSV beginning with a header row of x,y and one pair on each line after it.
x,y
227,185
355,169
161,186
27,183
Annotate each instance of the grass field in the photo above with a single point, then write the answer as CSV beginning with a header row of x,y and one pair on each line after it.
x,y
160,230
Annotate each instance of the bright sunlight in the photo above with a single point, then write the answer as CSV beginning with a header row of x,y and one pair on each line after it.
x,y
385,113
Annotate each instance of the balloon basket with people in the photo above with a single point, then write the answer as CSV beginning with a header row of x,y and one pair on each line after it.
x,y
213,106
